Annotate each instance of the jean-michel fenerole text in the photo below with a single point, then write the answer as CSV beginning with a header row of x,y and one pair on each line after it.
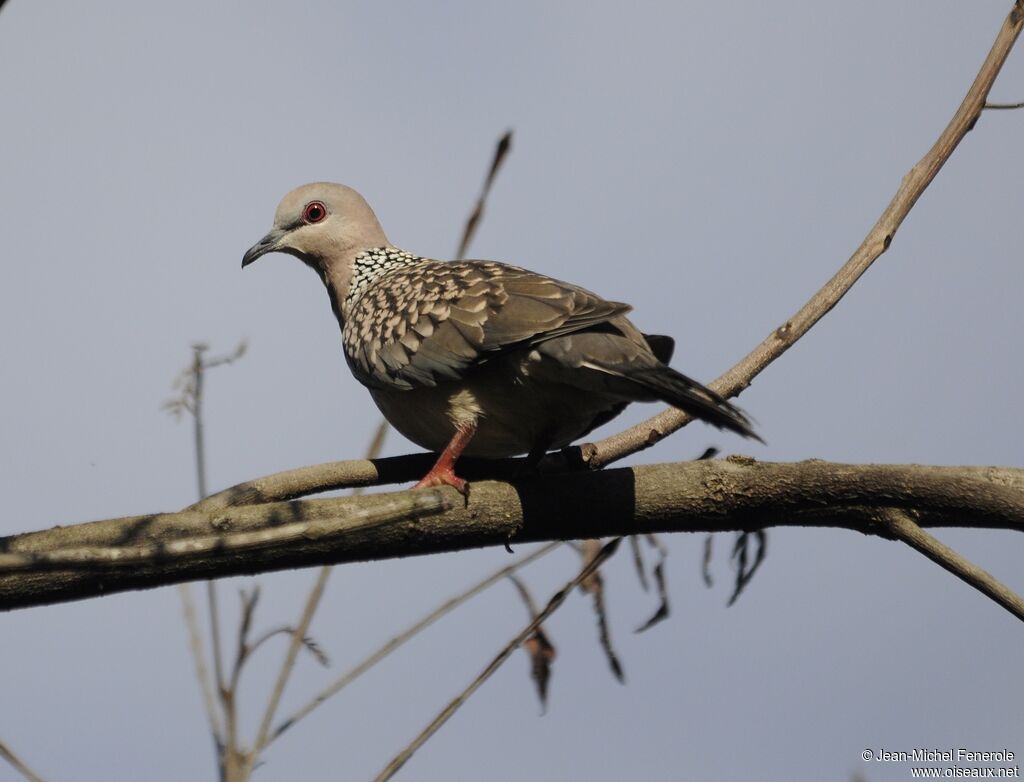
x,y
960,755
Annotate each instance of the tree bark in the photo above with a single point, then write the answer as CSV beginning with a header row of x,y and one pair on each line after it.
x,y
739,493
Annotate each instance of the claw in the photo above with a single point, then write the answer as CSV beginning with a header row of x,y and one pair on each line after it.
x,y
443,472
443,476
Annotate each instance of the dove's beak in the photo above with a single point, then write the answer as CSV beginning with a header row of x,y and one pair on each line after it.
x,y
267,244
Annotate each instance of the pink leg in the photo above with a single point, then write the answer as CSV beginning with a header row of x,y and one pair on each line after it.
x,y
443,472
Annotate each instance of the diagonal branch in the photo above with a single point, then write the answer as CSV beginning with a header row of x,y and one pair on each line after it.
x,y
423,623
651,431
473,222
903,528
17,763
553,604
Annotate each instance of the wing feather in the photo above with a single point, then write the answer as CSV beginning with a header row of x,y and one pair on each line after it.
x,y
433,321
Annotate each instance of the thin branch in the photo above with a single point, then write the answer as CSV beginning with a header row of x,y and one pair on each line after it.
x,y
472,223
331,476
524,595
18,764
904,528
213,613
422,624
553,604
197,416
202,673
190,382
242,647
1004,105
286,668
299,633
308,643
651,431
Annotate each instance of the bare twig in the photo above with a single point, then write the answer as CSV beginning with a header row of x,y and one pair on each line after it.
x,y
190,381
651,431
286,668
190,399
233,757
472,223
423,623
553,604
202,673
1004,105
213,613
299,633
18,764
308,643
904,528
524,595
243,647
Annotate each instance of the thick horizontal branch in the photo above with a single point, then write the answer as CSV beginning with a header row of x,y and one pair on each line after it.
x,y
705,496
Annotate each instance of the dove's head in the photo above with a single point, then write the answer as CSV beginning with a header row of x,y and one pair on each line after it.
x,y
324,225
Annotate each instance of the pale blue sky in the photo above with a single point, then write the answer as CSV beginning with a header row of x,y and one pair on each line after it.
x,y
711,163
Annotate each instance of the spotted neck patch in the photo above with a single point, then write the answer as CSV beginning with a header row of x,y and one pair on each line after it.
x,y
370,265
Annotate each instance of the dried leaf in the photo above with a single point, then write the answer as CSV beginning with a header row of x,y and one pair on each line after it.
x,y
604,635
662,612
537,646
594,584
705,569
314,649
589,549
638,563
542,653
740,556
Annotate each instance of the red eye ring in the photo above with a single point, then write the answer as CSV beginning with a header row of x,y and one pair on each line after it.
x,y
314,212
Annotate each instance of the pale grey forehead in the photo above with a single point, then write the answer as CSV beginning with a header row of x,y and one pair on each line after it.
x,y
336,197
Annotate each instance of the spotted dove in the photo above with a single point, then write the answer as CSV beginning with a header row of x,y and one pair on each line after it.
x,y
476,357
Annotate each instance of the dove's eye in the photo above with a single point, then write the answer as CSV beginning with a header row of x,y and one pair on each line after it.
x,y
314,212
